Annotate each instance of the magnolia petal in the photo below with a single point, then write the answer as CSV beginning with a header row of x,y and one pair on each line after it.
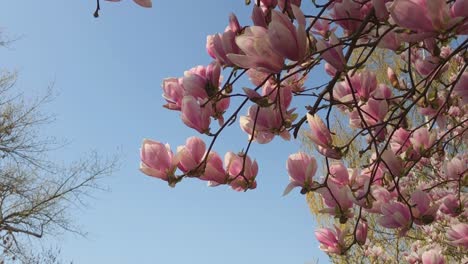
x,y
290,187
144,3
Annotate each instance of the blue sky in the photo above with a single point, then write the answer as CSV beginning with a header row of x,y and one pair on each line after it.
x,y
107,74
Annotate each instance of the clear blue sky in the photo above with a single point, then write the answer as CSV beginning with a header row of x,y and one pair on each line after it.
x,y
108,73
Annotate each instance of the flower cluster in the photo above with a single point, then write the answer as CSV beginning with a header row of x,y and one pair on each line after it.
x,y
193,160
399,168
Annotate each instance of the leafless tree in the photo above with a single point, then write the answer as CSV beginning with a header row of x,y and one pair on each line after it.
x,y
36,194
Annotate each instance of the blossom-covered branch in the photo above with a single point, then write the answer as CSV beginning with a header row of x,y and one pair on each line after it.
x,y
410,128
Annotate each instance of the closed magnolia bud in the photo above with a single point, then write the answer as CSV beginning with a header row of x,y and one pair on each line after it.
x,y
393,78
228,88
361,232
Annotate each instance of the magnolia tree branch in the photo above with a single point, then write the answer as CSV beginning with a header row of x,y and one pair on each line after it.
x,y
407,178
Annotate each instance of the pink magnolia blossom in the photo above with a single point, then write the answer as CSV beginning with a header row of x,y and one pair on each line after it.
x,y
270,4
294,83
380,196
322,27
411,14
456,167
259,53
426,16
400,142
382,92
331,241
301,169
374,111
268,123
347,14
392,163
173,93
198,96
432,108
395,215
358,182
241,177
422,140
339,173
377,252
234,24
355,119
254,96
460,8
432,256
342,92
202,82
450,205
377,173
214,171
285,94
191,155
287,4
194,85
380,10
419,254
321,136
389,39
445,51
458,235
430,44
219,108
361,232
157,160
219,45
193,91
259,16
331,52
455,111
288,41
195,115
330,70
330,152
143,3
258,78
427,65
338,199
461,87
422,211
363,84
421,15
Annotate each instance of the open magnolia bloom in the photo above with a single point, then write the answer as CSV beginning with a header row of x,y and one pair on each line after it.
x,y
331,241
458,235
157,160
301,168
